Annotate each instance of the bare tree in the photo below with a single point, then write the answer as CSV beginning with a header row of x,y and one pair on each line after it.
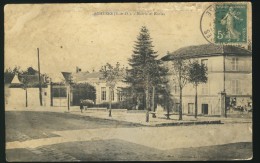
x,y
180,76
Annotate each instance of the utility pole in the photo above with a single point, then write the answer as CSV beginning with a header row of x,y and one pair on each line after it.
x,y
68,98
51,93
40,83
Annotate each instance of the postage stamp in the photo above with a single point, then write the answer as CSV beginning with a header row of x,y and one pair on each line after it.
x,y
230,23
225,23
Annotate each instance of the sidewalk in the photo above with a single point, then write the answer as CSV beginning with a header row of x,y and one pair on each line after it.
x,y
140,118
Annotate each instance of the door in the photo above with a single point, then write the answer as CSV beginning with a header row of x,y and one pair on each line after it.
x,y
204,109
190,108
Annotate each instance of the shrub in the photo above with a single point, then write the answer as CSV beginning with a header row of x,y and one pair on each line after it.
x,y
88,102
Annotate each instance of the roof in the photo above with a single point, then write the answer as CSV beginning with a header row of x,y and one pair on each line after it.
x,y
88,76
56,77
206,50
15,80
32,81
84,76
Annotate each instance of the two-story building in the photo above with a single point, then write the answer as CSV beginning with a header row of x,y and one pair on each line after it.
x,y
229,70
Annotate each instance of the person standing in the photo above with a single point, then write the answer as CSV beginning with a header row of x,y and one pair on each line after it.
x,y
81,106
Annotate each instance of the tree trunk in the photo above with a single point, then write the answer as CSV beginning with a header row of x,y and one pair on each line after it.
x,y
180,106
147,99
167,105
153,105
26,98
196,101
110,102
51,94
68,97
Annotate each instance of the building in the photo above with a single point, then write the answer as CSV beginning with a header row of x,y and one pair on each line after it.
x,y
229,78
102,88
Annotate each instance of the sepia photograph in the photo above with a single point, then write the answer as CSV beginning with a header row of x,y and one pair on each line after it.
x,y
128,81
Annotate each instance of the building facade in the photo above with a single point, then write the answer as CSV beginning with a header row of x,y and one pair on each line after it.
x,y
102,88
229,72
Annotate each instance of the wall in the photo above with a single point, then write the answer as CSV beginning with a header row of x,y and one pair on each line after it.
x,y
98,87
17,97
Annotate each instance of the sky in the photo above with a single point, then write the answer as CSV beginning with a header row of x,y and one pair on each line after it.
x,y
70,35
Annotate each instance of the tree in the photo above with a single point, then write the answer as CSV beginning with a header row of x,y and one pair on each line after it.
x,y
111,74
31,71
9,73
180,76
83,91
146,71
197,74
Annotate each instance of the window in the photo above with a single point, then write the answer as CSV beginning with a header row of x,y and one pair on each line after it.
x,y
205,89
190,108
120,96
235,86
234,64
103,93
112,95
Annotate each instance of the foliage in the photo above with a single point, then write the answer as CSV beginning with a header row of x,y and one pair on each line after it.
x,y
83,91
197,73
59,92
111,74
117,105
9,74
146,71
31,71
26,77
180,71
180,76
87,102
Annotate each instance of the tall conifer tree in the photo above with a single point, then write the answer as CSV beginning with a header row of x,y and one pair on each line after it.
x,y
146,70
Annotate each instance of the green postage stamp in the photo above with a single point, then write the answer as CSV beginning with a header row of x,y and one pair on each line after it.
x,y
231,23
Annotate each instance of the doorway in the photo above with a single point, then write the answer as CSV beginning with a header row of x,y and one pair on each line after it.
x,y
204,108
190,108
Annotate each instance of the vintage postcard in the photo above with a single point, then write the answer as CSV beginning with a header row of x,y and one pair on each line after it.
x,y
128,81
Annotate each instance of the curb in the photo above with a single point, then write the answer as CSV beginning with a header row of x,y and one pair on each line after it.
x,y
189,123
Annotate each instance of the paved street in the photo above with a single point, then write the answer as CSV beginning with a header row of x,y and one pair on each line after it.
x,y
61,136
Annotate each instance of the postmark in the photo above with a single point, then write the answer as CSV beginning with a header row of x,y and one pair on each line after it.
x,y
225,23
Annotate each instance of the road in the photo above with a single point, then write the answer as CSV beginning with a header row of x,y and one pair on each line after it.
x,y
54,136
